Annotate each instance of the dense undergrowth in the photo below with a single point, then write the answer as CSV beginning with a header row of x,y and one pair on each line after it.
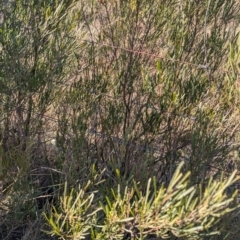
x,y
119,119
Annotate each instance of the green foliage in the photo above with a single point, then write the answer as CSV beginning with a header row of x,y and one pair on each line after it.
x,y
127,90
37,48
178,209
74,219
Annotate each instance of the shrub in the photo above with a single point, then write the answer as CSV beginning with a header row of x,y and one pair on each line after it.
x,y
132,88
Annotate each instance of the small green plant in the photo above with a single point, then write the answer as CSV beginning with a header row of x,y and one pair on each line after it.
x,y
74,220
178,209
